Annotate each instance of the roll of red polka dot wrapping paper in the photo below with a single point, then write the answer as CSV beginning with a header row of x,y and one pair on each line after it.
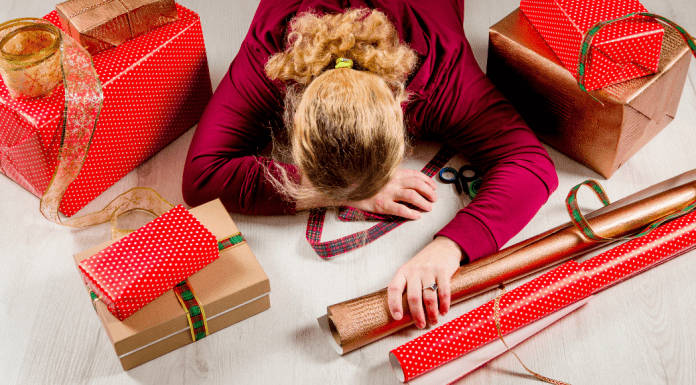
x,y
521,306
132,272
537,300
156,86
621,51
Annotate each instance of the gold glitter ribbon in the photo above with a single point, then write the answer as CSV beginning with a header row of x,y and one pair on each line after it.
x,y
83,103
496,316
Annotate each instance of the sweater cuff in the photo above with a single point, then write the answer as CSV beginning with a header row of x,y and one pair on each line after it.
x,y
471,235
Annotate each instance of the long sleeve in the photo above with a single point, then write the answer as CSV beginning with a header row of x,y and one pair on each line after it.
x,y
222,161
471,115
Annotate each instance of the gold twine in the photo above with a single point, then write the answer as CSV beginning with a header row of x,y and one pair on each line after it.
x,y
496,316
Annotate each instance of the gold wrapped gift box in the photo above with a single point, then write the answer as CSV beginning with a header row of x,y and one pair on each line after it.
x,y
232,288
602,137
103,24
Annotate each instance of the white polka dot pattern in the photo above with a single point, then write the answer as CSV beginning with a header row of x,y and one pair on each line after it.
x,y
150,261
155,88
546,294
521,306
620,51
624,261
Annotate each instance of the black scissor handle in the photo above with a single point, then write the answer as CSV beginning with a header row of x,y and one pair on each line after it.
x,y
468,173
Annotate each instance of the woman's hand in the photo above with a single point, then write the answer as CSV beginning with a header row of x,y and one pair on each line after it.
x,y
406,186
436,263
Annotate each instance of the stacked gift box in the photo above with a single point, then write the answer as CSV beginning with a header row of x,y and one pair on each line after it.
x,y
637,67
229,287
155,87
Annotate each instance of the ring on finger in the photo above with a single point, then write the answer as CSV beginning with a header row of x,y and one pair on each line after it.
x,y
432,287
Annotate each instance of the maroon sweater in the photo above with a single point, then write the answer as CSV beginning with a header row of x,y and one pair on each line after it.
x,y
452,99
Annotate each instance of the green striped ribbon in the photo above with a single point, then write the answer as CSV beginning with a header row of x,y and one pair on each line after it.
x,y
230,241
592,32
581,223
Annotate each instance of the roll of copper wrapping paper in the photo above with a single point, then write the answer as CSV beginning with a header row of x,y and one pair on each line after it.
x,y
357,322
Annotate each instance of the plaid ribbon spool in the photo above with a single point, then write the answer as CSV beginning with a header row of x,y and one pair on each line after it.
x,y
315,223
581,223
592,32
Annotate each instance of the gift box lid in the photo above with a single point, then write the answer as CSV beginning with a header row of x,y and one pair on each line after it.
x,y
620,51
110,66
517,28
232,280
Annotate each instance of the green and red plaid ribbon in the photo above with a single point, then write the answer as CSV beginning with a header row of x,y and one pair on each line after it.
x,y
194,310
315,223
186,296
581,223
592,32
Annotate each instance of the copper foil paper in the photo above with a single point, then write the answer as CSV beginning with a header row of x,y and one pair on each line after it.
x,y
603,135
358,322
102,24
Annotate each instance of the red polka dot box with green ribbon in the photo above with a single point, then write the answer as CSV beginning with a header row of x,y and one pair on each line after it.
x,y
150,261
624,50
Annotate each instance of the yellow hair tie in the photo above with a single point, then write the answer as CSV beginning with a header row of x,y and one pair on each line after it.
x,y
342,62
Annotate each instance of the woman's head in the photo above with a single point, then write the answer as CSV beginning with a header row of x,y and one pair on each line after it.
x,y
347,129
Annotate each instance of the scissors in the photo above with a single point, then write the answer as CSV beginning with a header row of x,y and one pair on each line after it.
x,y
467,179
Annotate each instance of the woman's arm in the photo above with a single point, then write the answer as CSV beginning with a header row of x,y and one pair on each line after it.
x,y
222,161
471,115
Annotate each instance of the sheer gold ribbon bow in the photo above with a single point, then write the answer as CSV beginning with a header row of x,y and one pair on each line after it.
x,y
83,103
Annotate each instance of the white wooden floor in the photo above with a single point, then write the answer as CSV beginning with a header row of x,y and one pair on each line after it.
x,y
640,332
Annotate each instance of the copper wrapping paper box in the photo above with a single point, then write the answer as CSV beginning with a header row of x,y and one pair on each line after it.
x,y
232,288
530,75
102,24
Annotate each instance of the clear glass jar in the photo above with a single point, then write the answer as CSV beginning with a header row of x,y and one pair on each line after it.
x,y
30,57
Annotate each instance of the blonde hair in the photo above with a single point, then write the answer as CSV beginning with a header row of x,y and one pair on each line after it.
x,y
346,125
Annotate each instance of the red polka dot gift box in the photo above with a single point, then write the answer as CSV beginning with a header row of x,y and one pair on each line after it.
x,y
621,51
601,129
148,262
195,269
155,88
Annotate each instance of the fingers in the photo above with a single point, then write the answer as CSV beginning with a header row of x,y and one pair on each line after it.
x,y
420,183
414,292
395,208
395,291
444,290
414,198
430,301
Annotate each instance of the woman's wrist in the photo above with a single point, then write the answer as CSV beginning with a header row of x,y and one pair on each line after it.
x,y
450,246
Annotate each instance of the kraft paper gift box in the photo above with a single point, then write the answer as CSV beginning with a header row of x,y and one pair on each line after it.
x,y
102,24
156,87
546,94
230,289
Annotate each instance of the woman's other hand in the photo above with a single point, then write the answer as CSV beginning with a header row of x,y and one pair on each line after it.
x,y
436,263
406,186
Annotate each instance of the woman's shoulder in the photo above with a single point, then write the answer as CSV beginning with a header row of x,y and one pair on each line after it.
x,y
416,21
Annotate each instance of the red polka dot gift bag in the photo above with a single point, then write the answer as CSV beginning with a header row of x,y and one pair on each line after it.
x,y
150,261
